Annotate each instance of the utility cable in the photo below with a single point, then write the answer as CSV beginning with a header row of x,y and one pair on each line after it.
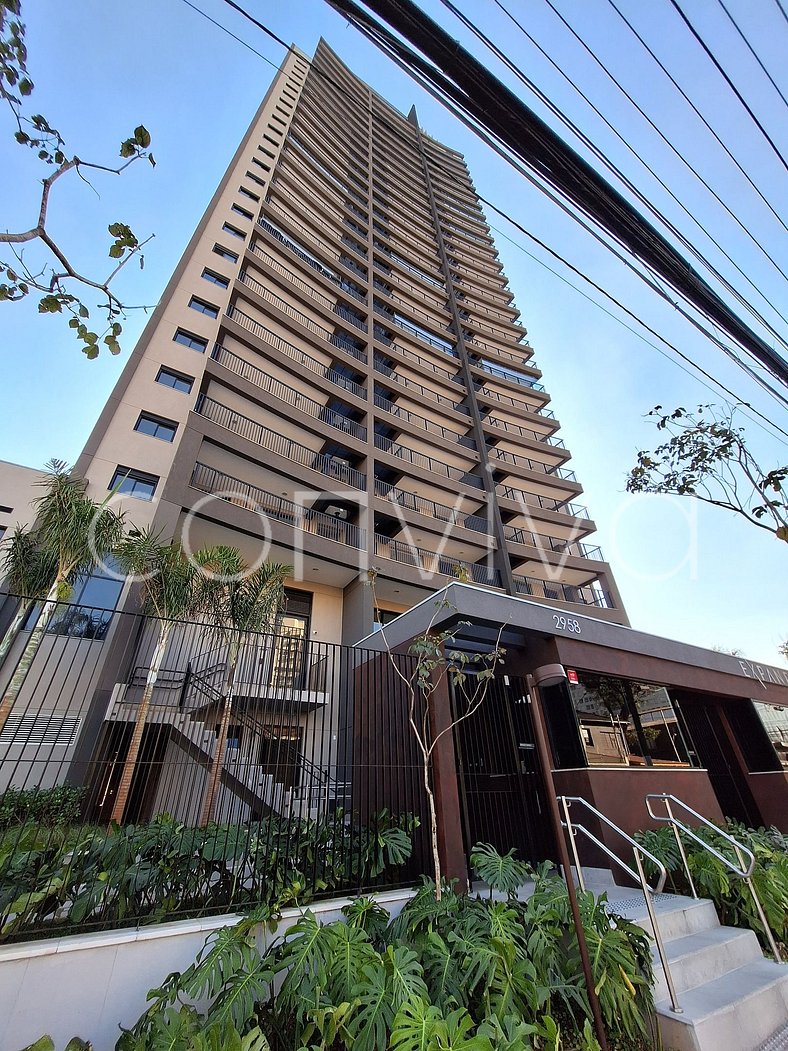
x,y
651,171
396,131
729,82
752,51
636,193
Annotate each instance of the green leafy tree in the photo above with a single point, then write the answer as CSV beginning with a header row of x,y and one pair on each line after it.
x,y
239,600
78,534
706,456
171,592
29,571
61,286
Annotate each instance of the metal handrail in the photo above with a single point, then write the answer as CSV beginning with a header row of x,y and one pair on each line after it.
x,y
639,852
740,869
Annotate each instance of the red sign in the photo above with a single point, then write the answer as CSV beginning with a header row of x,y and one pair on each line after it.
x,y
571,676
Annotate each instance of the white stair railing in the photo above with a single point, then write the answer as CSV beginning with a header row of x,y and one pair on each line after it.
x,y
637,874
739,868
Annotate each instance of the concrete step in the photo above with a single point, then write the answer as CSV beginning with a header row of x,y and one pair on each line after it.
x,y
703,957
677,915
737,1011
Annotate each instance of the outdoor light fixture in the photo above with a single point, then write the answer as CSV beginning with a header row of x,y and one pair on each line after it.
x,y
552,675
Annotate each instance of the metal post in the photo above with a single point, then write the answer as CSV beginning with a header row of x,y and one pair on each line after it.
x,y
674,1003
545,759
761,914
573,842
680,845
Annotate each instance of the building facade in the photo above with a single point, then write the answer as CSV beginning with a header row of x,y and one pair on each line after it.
x,y
336,375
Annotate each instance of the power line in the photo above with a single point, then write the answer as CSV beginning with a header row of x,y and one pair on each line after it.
x,y
396,131
651,171
729,82
752,51
639,196
229,33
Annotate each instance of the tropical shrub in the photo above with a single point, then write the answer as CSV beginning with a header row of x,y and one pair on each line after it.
x,y
60,805
87,877
460,973
714,880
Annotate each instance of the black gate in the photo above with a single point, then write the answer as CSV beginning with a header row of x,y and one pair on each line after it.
x,y
500,776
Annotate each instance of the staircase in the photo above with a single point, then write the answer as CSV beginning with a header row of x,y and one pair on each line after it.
x,y
732,998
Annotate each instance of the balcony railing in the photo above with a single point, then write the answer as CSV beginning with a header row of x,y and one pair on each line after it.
x,y
421,505
428,463
525,432
423,422
533,465
564,507
557,544
336,339
393,319
325,301
287,394
254,432
554,592
507,374
431,563
504,399
385,290
251,497
412,385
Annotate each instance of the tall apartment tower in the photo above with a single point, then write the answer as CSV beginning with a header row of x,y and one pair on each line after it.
x,y
336,376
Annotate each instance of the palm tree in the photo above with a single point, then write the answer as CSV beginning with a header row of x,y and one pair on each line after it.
x,y
239,600
171,592
79,534
29,571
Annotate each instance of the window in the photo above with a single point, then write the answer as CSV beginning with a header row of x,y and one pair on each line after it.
x,y
130,482
259,163
214,278
627,723
260,182
225,253
248,193
268,153
188,339
3,531
88,613
241,211
269,139
775,723
203,308
177,380
228,229
156,426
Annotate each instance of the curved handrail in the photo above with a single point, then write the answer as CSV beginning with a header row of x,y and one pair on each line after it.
x,y
662,871
670,819
639,852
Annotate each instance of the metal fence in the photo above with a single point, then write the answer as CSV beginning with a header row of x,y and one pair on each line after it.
x,y
302,781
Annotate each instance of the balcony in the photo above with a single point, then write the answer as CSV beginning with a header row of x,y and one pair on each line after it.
x,y
525,432
438,512
426,463
288,395
417,388
336,339
265,438
507,374
423,422
533,465
587,595
524,499
443,345
555,544
252,498
430,563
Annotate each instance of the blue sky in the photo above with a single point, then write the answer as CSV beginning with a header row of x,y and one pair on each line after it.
x,y
102,66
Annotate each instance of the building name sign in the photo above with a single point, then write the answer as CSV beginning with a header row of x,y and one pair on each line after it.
x,y
763,673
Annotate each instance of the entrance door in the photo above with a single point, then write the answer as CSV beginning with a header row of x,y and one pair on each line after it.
x,y
500,777
108,768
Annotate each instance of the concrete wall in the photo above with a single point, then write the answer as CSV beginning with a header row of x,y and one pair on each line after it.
x,y
18,490
89,984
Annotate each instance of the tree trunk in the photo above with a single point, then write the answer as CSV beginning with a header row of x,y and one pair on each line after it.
x,y
28,654
14,628
209,801
436,858
130,762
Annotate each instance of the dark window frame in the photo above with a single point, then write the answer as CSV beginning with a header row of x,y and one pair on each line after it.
x,y
182,377
233,231
190,340
215,279
202,306
225,253
157,423
124,474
